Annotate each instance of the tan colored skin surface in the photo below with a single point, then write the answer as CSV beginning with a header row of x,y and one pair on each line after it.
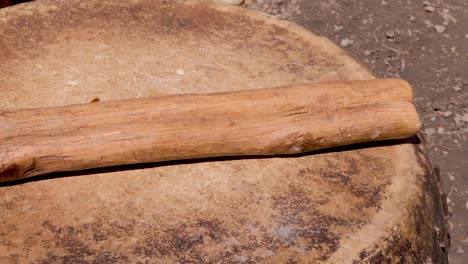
x,y
335,207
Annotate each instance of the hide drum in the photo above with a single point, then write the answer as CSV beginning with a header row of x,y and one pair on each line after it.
x,y
368,203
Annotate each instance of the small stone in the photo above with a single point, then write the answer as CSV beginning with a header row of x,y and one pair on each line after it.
x,y
441,130
346,42
466,35
429,9
73,83
451,177
439,29
412,18
429,131
449,200
428,23
460,250
426,3
337,28
390,34
180,71
447,113
456,88
464,118
457,118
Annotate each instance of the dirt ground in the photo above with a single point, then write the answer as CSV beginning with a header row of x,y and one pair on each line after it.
x,y
424,42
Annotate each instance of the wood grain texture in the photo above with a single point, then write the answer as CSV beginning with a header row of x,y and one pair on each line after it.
x,y
271,121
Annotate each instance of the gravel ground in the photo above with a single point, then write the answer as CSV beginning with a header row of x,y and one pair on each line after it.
x,y
424,42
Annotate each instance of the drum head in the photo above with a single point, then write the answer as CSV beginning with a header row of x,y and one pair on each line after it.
x,y
366,203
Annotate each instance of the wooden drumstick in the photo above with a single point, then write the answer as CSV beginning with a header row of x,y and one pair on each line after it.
x,y
282,120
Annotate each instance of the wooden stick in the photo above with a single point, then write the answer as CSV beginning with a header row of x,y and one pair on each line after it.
x,y
284,120
61,120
